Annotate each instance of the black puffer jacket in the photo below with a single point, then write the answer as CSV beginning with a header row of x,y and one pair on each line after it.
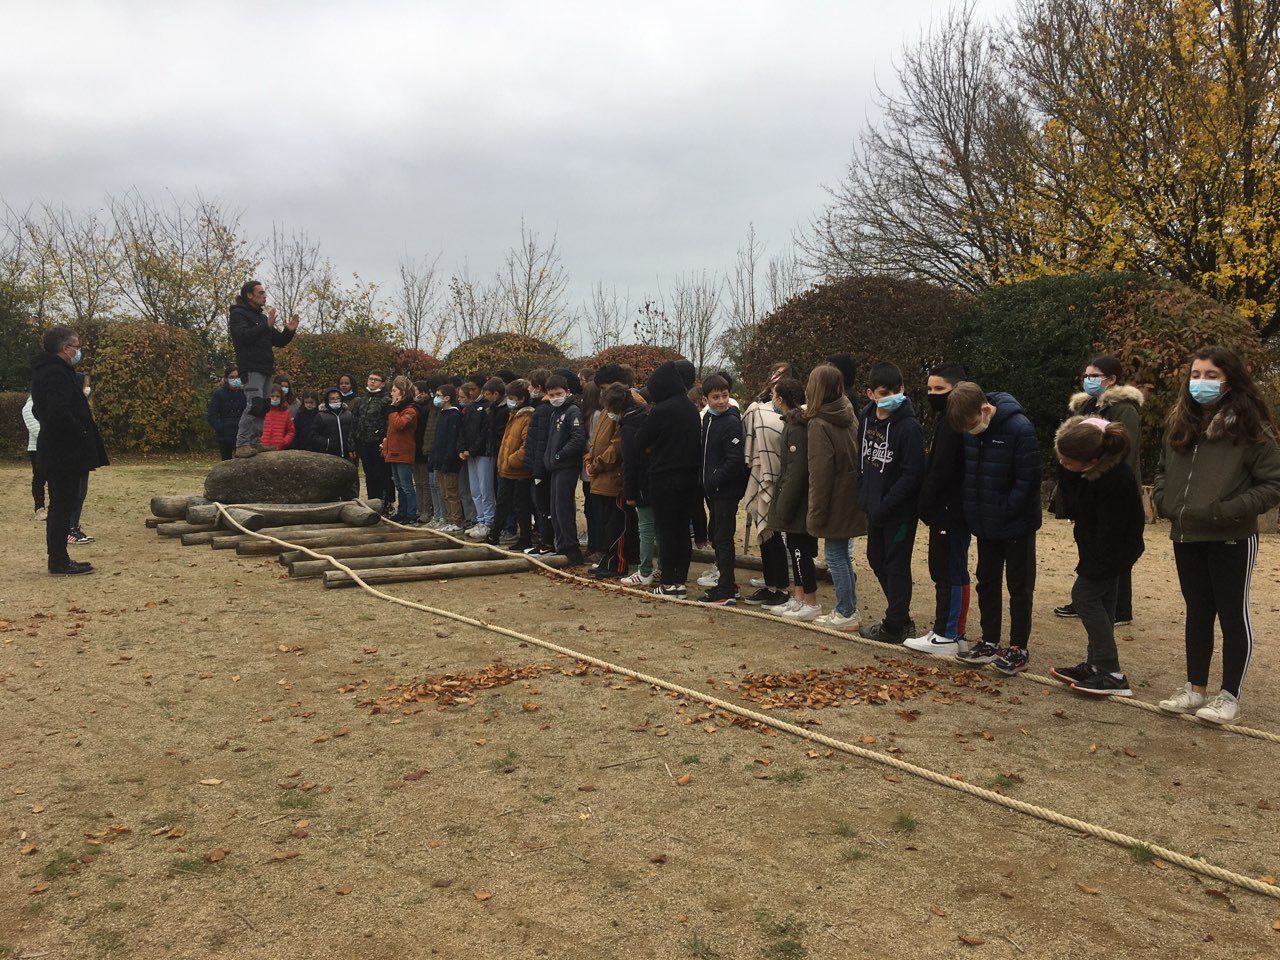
x,y
671,436
477,430
223,413
331,433
1106,506
941,503
1002,474
253,338
69,442
724,470
535,444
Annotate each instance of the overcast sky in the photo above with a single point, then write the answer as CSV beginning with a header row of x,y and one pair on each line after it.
x,y
645,135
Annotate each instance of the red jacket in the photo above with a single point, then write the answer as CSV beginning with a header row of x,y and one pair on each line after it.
x,y
400,442
277,428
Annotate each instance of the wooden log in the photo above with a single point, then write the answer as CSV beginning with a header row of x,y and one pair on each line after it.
x,y
153,522
441,571
209,536
264,548
174,508
373,549
302,569
752,563
284,514
176,528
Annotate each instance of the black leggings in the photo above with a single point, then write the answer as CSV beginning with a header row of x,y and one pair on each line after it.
x,y
773,558
1215,578
37,480
801,551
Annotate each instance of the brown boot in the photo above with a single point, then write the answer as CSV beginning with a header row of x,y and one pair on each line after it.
x,y
243,453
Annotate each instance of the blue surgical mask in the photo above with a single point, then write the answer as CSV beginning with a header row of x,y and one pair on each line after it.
x,y
275,401
438,401
76,359
234,382
1093,386
714,412
511,403
891,402
1206,391
776,409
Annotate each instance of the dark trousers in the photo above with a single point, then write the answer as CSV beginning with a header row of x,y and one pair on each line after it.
x,y
889,556
802,549
674,500
81,497
515,504
1215,581
542,512
1095,603
564,516
773,557
1000,561
618,534
37,480
699,520
377,475
64,497
721,526
591,514
1124,596
226,450
512,523
949,571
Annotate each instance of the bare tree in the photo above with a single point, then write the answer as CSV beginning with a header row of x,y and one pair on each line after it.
x,y
694,311
83,255
414,303
605,316
471,308
293,260
755,287
534,288
652,325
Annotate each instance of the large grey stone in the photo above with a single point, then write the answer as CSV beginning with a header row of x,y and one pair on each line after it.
x,y
283,476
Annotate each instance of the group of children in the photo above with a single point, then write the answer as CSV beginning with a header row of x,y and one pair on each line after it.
x,y
671,465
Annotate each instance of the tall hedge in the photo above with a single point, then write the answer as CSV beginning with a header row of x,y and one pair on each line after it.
x,y
314,361
1033,340
907,322
415,364
498,351
13,430
640,357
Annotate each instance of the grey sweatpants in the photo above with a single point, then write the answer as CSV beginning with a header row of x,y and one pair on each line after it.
x,y
1095,603
249,432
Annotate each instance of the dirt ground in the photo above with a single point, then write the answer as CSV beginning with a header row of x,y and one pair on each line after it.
x,y
169,722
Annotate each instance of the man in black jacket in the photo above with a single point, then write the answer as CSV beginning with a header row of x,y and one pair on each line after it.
x,y
941,507
69,445
254,334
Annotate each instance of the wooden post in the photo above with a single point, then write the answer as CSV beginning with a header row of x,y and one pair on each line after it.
x,y
346,537
301,569
373,549
174,508
441,571
176,528
222,540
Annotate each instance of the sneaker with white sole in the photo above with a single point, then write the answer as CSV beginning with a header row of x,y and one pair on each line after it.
x,y
709,578
1185,700
981,652
782,609
1224,708
677,590
938,646
835,621
759,582
478,532
804,612
637,580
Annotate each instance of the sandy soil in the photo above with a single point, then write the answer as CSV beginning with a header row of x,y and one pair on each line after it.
x,y
182,701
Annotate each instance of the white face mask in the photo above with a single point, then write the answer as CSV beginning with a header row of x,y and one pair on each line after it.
x,y
335,406
615,417
980,428
557,401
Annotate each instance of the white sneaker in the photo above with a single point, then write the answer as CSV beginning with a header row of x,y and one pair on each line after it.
x,y
1185,700
759,582
1224,708
478,532
937,645
710,578
837,622
637,580
804,612
451,528
782,609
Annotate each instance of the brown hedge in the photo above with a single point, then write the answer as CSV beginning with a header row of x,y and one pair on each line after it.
x,y
13,430
643,358
314,361
498,351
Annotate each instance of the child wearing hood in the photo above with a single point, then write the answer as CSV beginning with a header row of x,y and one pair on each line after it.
x,y
891,469
724,480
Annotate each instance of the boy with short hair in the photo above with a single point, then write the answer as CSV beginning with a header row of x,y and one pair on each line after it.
x,y
444,455
941,507
566,443
724,481
535,447
891,469
1002,507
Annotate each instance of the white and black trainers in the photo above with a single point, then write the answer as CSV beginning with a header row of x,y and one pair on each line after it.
x,y
937,645
675,590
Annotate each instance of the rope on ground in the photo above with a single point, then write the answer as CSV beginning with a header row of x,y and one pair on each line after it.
x,y
848,637
1042,813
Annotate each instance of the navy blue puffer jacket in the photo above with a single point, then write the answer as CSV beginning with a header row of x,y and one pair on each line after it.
x,y
1002,474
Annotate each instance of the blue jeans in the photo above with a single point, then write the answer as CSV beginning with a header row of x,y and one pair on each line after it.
x,y
644,523
840,565
481,478
402,474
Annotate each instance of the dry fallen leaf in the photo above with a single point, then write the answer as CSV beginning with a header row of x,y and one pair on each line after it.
x,y
1091,891
972,941
298,833
684,780
38,808
481,894
40,888
937,911
1275,924
343,890
210,782
868,739
284,855
659,859
217,856
587,788
29,849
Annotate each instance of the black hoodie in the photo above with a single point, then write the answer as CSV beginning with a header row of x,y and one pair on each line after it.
x,y
671,436
891,464
941,503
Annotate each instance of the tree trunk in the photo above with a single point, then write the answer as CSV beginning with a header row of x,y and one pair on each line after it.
x,y
442,571
345,537
373,549
313,568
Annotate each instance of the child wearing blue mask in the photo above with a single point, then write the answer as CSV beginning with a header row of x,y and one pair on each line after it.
x,y
891,469
1220,470
724,481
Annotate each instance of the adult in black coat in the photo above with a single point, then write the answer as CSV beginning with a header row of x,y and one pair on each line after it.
x,y
226,407
69,445
254,334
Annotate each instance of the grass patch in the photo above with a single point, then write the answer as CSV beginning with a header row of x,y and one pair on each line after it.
x,y
699,948
507,762
845,829
115,906
1141,853
786,949
190,865
852,855
59,866
107,941
690,759
905,823
1001,782
296,800
791,776
545,797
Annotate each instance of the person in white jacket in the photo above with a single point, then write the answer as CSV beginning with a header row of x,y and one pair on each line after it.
x,y
37,475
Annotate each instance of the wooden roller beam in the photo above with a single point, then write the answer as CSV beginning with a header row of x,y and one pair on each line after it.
x,y
441,571
301,569
254,516
209,536
374,549
176,528
175,508
346,537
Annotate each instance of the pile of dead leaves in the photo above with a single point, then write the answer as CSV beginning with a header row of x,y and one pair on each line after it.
x,y
455,689
887,681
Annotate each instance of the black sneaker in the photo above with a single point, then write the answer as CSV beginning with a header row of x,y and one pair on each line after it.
x,y
1103,684
673,590
545,550
1123,619
1011,660
883,633
78,536
764,597
1067,612
720,598
1070,675
979,653
779,598
575,557
604,573
70,568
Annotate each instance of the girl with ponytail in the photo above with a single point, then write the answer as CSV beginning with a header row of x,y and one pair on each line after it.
x,y
1101,496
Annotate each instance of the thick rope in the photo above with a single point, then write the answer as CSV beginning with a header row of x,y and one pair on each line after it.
x,y
1050,816
847,637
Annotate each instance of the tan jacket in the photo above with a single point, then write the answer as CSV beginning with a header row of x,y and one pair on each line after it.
x,y
511,452
604,456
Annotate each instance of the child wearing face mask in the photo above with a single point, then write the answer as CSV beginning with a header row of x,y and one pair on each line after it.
x,y
891,470
331,432
278,428
444,455
1001,494
617,519
724,481
1105,505
291,398
304,420
515,491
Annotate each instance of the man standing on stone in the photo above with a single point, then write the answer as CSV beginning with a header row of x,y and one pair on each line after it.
x,y
254,334
69,445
